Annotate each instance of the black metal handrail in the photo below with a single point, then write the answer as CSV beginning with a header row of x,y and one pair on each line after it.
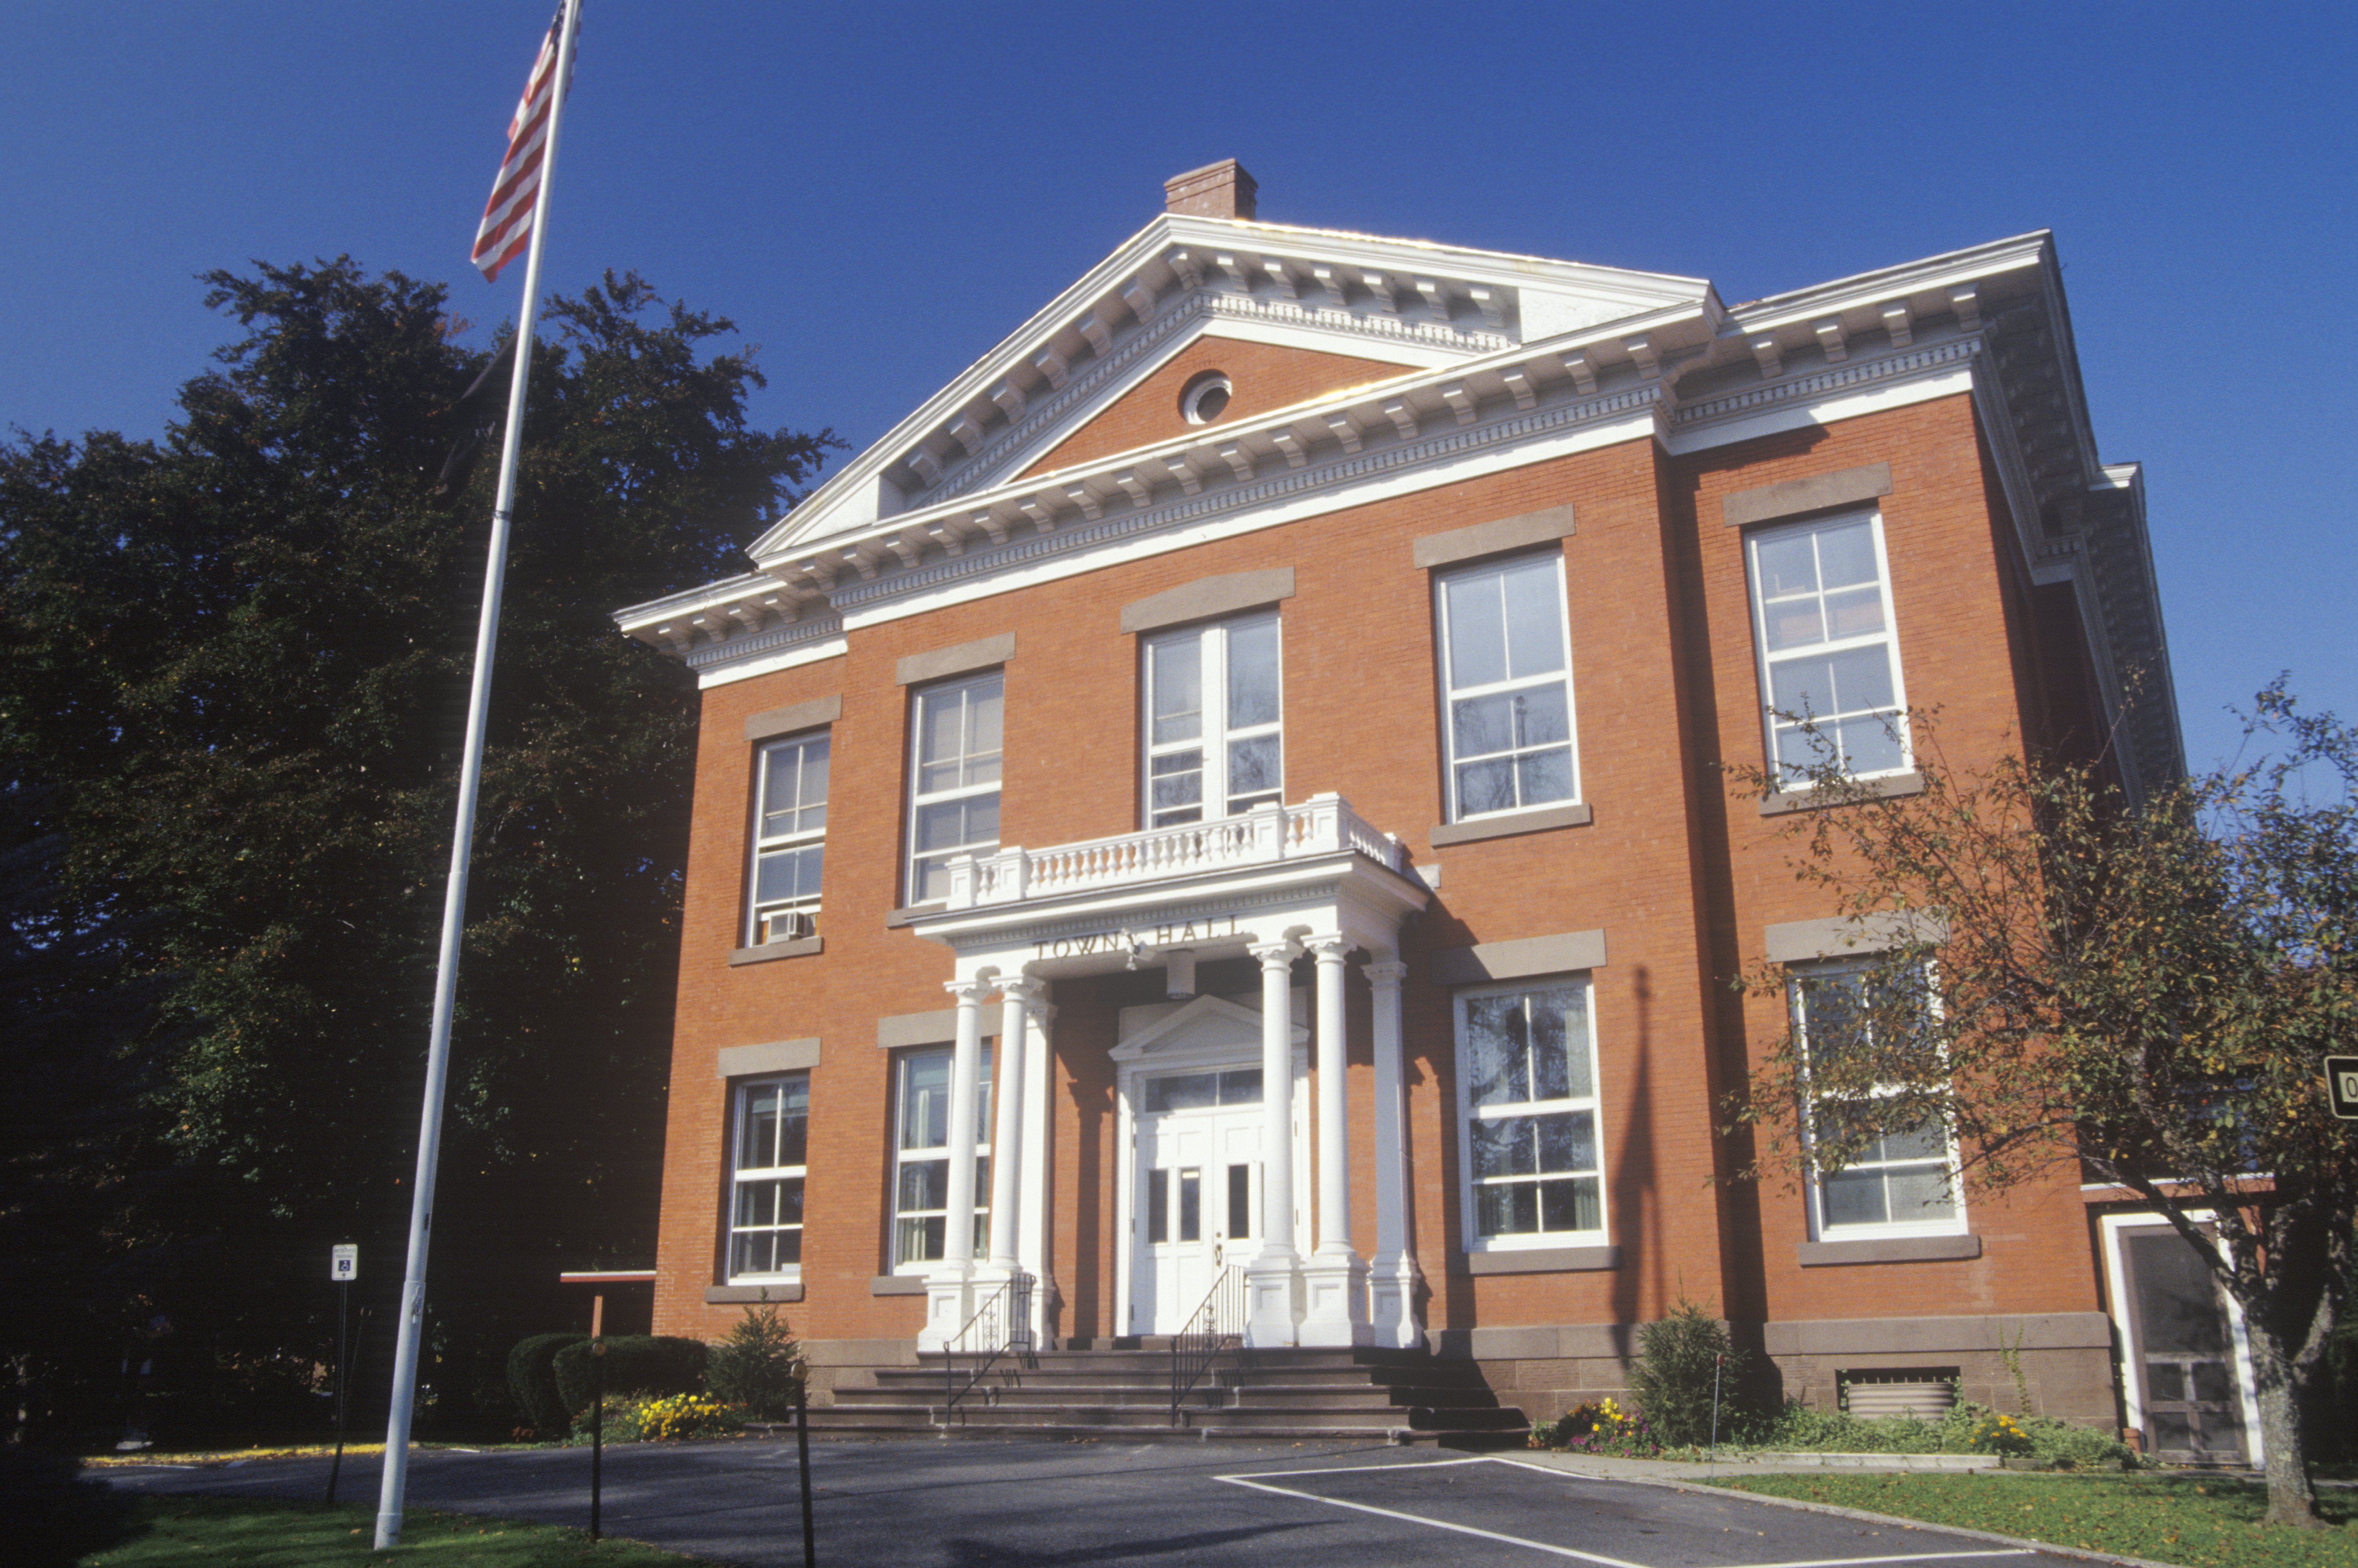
x,y
1218,1321
1000,1327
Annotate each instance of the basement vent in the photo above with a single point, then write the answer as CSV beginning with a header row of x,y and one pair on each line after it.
x,y
1926,1393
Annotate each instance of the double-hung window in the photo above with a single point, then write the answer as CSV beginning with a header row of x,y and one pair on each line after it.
x,y
921,1160
1214,743
1527,1094
1506,669
1829,661
953,780
1903,1180
767,1169
789,837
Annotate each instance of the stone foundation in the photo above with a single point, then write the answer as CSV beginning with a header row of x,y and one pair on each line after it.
x,y
2066,1357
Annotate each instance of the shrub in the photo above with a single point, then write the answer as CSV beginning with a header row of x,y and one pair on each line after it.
x,y
1996,1434
662,1417
635,1364
1679,1359
1598,1426
759,1366
533,1381
1968,1428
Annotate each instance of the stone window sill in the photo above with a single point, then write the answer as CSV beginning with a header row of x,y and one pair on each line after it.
x,y
1574,816
753,1295
1811,800
1538,1260
799,947
1890,1250
897,1285
894,919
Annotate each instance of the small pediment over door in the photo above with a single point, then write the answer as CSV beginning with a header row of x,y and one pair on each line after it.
x,y
1209,1029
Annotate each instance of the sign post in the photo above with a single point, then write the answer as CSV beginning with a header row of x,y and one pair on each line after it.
x,y
344,1268
2342,1086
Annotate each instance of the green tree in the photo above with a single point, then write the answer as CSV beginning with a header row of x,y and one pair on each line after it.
x,y
241,654
2140,993
71,1027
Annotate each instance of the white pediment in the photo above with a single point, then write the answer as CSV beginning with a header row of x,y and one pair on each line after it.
x,y
1421,307
1208,1028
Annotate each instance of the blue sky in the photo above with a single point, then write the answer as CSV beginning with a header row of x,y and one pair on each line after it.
x,y
878,193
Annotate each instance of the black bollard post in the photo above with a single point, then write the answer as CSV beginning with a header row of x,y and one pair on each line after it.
x,y
1716,1363
343,1380
801,1452
597,1427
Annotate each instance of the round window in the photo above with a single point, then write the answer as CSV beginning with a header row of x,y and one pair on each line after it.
x,y
1205,397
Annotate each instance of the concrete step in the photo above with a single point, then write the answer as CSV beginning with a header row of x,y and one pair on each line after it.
x,y
1397,1394
1029,1394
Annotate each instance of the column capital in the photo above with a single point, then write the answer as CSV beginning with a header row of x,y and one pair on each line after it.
x,y
1386,974
1328,947
970,992
1026,991
1272,954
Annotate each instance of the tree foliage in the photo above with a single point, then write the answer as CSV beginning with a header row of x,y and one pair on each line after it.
x,y
2139,994
240,654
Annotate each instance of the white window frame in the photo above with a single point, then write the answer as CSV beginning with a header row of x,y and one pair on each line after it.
x,y
1767,661
1217,736
743,1178
1469,1114
1512,685
795,914
979,772
905,1154
1797,975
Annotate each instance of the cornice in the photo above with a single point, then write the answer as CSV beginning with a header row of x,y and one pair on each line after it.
x,y
1815,386
852,598
1043,421
1371,291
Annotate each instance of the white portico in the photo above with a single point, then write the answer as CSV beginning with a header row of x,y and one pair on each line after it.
x,y
1216,1180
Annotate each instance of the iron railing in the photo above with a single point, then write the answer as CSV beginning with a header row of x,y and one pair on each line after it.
x,y
1000,1327
1217,1323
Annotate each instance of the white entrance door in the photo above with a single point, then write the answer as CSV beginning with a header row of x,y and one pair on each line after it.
x,y
1198,1207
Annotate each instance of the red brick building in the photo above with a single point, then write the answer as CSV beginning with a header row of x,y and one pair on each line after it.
x,y
1301,658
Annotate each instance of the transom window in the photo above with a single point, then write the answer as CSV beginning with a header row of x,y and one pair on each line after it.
x,y
1829,662
1195,1091
1904,1182
789,837
1506,680
953,780
1527,1079
1215,745
765,1202
921,1170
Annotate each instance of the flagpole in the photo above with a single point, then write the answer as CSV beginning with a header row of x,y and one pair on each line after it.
x,y
411,1322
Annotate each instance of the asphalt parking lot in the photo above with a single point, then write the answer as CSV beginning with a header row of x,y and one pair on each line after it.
x,y
997,1505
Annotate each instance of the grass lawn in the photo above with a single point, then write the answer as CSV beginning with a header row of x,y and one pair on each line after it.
x,y
171,1532
2199,1521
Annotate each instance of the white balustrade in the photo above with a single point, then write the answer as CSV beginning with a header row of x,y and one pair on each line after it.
x,y
1323,825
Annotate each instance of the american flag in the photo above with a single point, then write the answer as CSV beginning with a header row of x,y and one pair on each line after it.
x,y
507,216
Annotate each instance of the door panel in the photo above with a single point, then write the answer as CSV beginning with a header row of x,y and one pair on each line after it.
x,y
1199,1192
2184,1351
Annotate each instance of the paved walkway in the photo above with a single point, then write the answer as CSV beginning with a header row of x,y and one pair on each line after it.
x,y
993,1504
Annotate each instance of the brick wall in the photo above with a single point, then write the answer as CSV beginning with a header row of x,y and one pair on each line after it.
x,y
1682,877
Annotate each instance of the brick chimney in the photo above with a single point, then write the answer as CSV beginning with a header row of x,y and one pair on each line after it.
x,y
1221,189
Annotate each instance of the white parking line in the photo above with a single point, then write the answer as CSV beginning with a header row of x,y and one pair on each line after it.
x,y
1413,1519
1259,1485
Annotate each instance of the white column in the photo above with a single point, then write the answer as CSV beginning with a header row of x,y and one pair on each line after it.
x,y
1335,1279
1039,1097
1272,1278
949,1287
1006,1125
1392,1277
